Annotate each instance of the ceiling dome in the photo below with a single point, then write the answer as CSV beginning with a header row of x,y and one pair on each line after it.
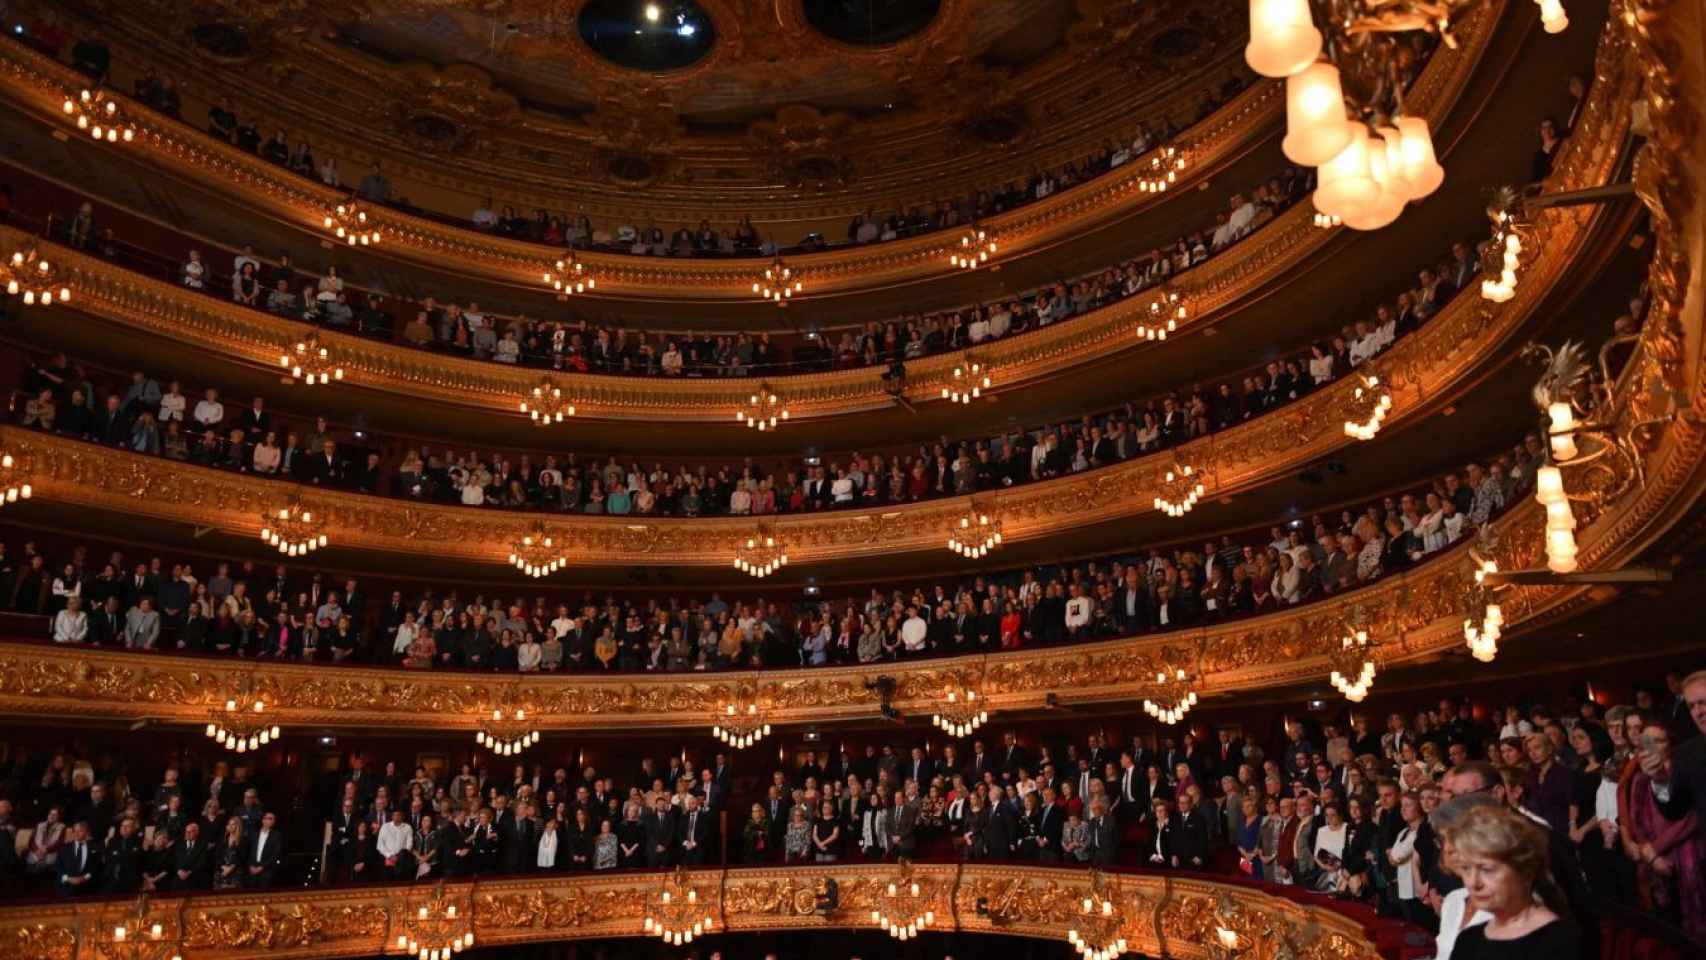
x,y
870,23
656,36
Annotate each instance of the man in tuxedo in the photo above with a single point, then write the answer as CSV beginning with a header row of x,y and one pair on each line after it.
x,y
1189,849
1051,819
692,831
78,865
263,854
1103,835
190,860
121,862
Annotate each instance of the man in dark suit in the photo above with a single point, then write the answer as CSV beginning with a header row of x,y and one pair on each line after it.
x,y
1050,821
342,848
485,843
190,860
978,763
777,809
659,825
324,467
920,769
121,861
902,826
523,856
263,854
1228,753
998,833
106,624
112,424
692,831
255,421
1133,612
1189,849
1097,754
1158,848
78,865
1104,838
140,584
1013,757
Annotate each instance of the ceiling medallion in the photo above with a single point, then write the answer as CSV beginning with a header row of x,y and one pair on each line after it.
x,y
12,485
1504,254
760,555
436,929
98,115
1181,488
960,712
974,533
32,277
1099,931
507,731
1164,168
537,554
778,282
310,362
547,404
348,222
137,936
568,275
968,380
241,725
674,914
294,529
741,723
975,248
764,410
1172,697
1351,666
903,907
1165,312
1370,402
1372,159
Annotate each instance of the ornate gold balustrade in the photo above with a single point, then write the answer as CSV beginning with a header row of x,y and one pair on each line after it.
x,y
38,84
1171,916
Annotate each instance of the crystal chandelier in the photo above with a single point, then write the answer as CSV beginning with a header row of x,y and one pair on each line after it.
x,y
537,554
547,405
1165,312
1181,488
1351,666
903,907
436,929
137,936
98,115
507,731
310,361
778,282
241,725
975,249
969,379
1503,255
975,533
1370,402
1172,698
674,914
741,724
348,222
32,277
1099,932
760,555
568,275
1372,159
960,713
293,529
13,486
764,409
1163,170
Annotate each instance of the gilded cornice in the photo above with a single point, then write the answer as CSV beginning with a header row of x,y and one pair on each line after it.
x,y
1164,914
40,84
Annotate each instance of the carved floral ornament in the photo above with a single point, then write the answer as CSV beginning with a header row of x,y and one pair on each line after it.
x,y
1162,914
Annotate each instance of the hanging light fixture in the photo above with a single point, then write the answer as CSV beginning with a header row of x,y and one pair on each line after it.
x,y
508,729
975,533
1173,696
1552,16
436,929
1181,488
1283,38
537,554
310,361
778,282
547,405
347,221
1165,165
1098,933
1369,402
1483,636
294,529
98,115
760,555
13,485
975,248
241,723
676,914
567,275
969,379
1164,314
960,712
764,409
30,276
903,908
1502,257
1351,666
742,723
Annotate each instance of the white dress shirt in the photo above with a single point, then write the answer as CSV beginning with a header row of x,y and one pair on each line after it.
x,y
395,838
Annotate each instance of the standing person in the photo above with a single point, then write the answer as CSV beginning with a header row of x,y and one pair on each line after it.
x,y
1502,858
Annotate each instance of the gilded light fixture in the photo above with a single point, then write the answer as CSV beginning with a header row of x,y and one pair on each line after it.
x,y
969,379
741,722
1483,636
568,275
13,486
30,276
1098,932
974,533
547,404
507,731
294,529
240,724
98,115
137,936
1352,664
764,409
537,553
903,907
347,221
310,361
1173,696
1369,404
778,282
1165,312
436,929
960,712
761,554
676,913
1163,169
1181,488
1503,255
975,248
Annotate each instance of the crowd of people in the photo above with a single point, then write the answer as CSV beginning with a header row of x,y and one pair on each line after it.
x,y
1508,828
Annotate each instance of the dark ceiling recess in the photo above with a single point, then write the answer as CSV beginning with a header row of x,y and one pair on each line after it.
x,y
870,23
655,36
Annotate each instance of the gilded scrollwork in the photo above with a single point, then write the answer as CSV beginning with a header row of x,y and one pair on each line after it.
x,y
288,926
38,941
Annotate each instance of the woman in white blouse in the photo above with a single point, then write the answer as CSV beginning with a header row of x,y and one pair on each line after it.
x,y
548,846
71,625
740,501
1288,580
1320,364
1406,864
1330,851
195,272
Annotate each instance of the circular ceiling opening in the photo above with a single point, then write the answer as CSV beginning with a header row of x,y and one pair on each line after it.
x,y
870,23
652,35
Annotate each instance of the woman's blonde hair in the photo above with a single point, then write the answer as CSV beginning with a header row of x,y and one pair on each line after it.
x,y
1514,840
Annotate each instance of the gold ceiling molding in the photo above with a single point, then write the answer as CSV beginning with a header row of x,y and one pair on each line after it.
x,y
1172,916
